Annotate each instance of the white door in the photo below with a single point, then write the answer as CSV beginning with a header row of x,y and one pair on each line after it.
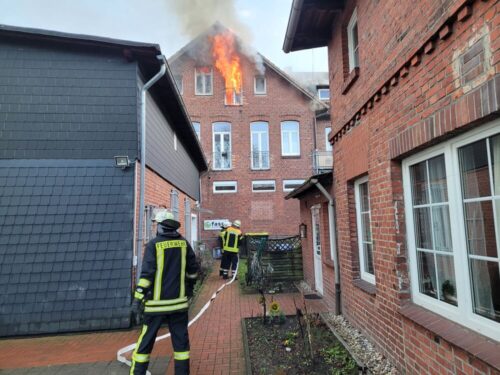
x,y
318,271
194,229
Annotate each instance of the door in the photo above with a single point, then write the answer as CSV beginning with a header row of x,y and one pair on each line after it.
x,y
318,271
194,229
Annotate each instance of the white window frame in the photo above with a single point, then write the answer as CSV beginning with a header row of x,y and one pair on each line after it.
x,y
270,182
285,189
289,135
366,276
350,42
225,184
204,93
463,312
255,85
323,90
328,145
222,137
198,133
261,134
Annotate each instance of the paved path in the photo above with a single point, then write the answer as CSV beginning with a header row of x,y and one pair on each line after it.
x,y
216,340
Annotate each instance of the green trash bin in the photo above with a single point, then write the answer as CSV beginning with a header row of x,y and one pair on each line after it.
x,y
254,242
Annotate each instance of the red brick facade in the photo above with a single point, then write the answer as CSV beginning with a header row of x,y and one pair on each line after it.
x,y
263,211
426,73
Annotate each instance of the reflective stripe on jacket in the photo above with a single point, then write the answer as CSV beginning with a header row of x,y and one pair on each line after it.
x,y
232,239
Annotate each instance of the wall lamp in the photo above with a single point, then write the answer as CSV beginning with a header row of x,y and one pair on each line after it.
x,y
303,230
122,162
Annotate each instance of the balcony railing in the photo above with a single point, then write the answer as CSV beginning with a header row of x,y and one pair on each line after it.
x,y
260,160
221,161
322,161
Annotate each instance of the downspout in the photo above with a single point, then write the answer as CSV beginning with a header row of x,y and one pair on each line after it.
x,y
333,248
144,89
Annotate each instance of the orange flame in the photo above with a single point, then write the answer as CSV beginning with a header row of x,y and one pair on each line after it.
x,y
227,62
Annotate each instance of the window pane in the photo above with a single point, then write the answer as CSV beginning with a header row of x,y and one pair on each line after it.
x,y
260,84
363,194
294,146
365,222
423,234
419,185
486,288
427,274
290,126
442,229
259,126
368,258
208,83
222,127
474,170
286,143
197,127
355,35
199,83
446,276
480,228
495,162
437,179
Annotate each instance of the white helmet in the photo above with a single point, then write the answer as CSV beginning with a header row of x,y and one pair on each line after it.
x,y
226,224
162,215
237,223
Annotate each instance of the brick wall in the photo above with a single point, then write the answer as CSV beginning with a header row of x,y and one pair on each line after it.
x,y
426,73
257,211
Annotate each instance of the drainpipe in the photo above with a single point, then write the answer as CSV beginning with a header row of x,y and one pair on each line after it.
x,y
145,88
333,249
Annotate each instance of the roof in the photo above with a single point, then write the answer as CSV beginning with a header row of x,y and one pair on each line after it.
x,y
310,23
216,28
323,178
164,91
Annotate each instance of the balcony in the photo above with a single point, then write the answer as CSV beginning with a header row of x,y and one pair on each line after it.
x,y
322,161
260,160
221,161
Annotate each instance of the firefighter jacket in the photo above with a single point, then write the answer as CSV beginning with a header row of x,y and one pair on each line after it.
x,y
169,271
222,235
231,240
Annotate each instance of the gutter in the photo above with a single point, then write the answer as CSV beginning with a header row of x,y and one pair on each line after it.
x,y
292,25
333,248
144,89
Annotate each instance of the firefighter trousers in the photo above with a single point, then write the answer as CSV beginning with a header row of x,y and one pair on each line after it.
x,y
229,261
177,325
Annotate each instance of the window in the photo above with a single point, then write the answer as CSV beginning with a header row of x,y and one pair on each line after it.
x,y
363,219
324,94
221,145
197,129
328,146
289,185
260,85
174,203
203,78
352,41
233,97
221,187
452,196
178,83
260,145
290,143
263,186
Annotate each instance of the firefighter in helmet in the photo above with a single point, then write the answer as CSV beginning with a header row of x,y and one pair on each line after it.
x,y
222,237
169,272
231,247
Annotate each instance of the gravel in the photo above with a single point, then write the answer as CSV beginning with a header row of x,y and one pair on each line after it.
x,y
359,346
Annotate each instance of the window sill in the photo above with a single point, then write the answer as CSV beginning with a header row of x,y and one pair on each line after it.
x,y
329,263
290,156
259,169
349,81
365,286
222,170
472,342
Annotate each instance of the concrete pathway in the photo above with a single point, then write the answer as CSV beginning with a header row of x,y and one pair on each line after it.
x,y
216,341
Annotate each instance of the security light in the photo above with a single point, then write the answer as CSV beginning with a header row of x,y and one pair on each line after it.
x,y
122,162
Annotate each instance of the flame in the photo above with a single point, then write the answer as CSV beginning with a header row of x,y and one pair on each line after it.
x,y
227,62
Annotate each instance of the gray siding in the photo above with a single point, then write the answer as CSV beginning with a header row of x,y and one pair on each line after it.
x,y
66,103
66,240
175,166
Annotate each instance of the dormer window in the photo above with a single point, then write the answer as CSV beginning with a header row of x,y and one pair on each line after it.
x,y
324,94
260,85
203,80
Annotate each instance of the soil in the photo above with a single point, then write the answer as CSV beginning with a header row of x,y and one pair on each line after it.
x,y
269,355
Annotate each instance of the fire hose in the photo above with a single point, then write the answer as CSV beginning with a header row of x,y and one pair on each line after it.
x,y
120,353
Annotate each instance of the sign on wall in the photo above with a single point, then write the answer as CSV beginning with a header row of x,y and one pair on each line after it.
x,y
215,224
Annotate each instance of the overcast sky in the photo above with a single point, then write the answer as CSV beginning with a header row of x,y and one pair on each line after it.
x,y
156,21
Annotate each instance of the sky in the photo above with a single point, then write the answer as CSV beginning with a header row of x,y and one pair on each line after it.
x,y
162,22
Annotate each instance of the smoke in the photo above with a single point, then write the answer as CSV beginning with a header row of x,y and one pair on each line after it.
x,y
197,16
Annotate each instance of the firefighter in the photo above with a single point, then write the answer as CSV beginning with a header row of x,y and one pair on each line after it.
x,y
168,275
222,236
232,239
